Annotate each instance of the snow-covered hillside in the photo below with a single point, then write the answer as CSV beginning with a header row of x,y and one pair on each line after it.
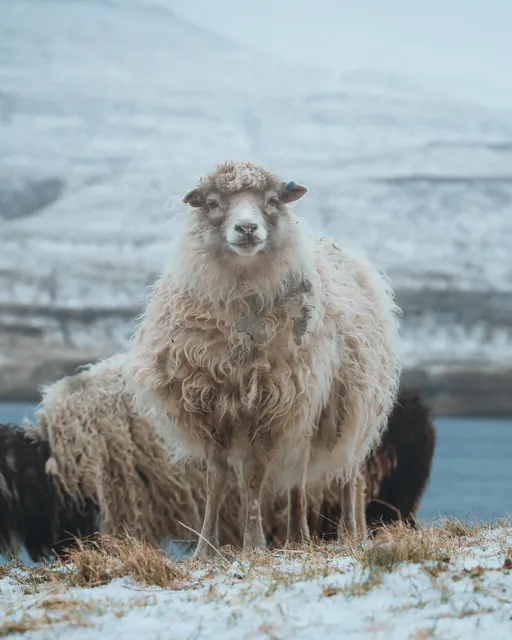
x,y
110,111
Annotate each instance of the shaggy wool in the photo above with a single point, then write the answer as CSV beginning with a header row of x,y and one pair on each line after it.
x,y
295,349
96,465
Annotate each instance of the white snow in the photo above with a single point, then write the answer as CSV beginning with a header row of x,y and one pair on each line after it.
x,y
294,595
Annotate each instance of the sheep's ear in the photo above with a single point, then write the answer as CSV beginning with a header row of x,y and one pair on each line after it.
x,y
194,198
291,191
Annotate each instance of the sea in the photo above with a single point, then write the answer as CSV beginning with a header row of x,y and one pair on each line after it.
x,y
471,475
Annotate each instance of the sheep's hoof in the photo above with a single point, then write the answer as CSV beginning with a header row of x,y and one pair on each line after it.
x,y
256,549
254,546
300,541
204,551
347,539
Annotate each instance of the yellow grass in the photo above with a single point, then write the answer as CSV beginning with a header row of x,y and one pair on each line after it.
x,y
98,562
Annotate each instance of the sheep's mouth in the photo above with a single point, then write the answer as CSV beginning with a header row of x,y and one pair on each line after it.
x,y
247,248
248,244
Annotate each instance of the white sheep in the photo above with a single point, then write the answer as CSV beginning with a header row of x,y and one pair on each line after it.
x,y
263,348
96,466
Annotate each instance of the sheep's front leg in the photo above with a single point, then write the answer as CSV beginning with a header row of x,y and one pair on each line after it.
x,y
298,529
254,477
216,478
353,517
315,501
347,526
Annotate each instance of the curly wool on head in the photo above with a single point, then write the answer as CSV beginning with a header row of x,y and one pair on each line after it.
x,y
207,255
232,177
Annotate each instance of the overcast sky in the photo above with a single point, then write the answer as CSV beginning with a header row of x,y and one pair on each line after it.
x,y
470,40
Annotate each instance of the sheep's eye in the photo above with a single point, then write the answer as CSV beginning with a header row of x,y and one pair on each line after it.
x,y
212,205
273,201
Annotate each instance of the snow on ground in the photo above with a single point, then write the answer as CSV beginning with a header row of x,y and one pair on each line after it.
x,y
462,588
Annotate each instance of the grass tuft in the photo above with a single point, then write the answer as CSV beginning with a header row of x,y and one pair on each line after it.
x,y
98,562
399,544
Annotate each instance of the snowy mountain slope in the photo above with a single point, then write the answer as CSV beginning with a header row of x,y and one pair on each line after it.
x,y
110,111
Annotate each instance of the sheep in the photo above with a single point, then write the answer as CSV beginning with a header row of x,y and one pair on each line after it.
x,y
103,450
47,499
95,465
395,476
264,349
33,512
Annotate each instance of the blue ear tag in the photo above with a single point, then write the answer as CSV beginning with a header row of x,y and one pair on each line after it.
x,y
290,185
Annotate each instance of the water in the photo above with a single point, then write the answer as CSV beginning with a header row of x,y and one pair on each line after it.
x,y
15,412
471,475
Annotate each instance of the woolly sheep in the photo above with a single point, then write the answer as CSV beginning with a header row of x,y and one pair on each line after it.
x,y
102,450
394,476
54,491
264,349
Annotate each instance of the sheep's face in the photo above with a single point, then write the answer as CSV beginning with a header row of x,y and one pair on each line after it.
x,y
245,223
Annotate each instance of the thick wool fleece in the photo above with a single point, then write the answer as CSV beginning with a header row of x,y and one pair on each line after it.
x,y
300,351
37,511
102,450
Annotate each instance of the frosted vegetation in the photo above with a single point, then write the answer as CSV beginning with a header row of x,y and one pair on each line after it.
x,y
446,581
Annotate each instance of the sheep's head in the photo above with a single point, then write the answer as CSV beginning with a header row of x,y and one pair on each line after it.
x,y
240,208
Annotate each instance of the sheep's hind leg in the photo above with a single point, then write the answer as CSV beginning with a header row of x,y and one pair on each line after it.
x,y
244,498
254,478
216,478
315,516
298,529
360,506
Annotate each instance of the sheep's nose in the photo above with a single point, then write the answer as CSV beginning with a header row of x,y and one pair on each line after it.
x,y
246,227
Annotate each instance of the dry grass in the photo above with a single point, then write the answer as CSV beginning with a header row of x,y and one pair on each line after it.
x,y
98,562
453,527
73,612
61,603
435,543
31,579
402,546
281,569
74,616
349,571
424,633
363,585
